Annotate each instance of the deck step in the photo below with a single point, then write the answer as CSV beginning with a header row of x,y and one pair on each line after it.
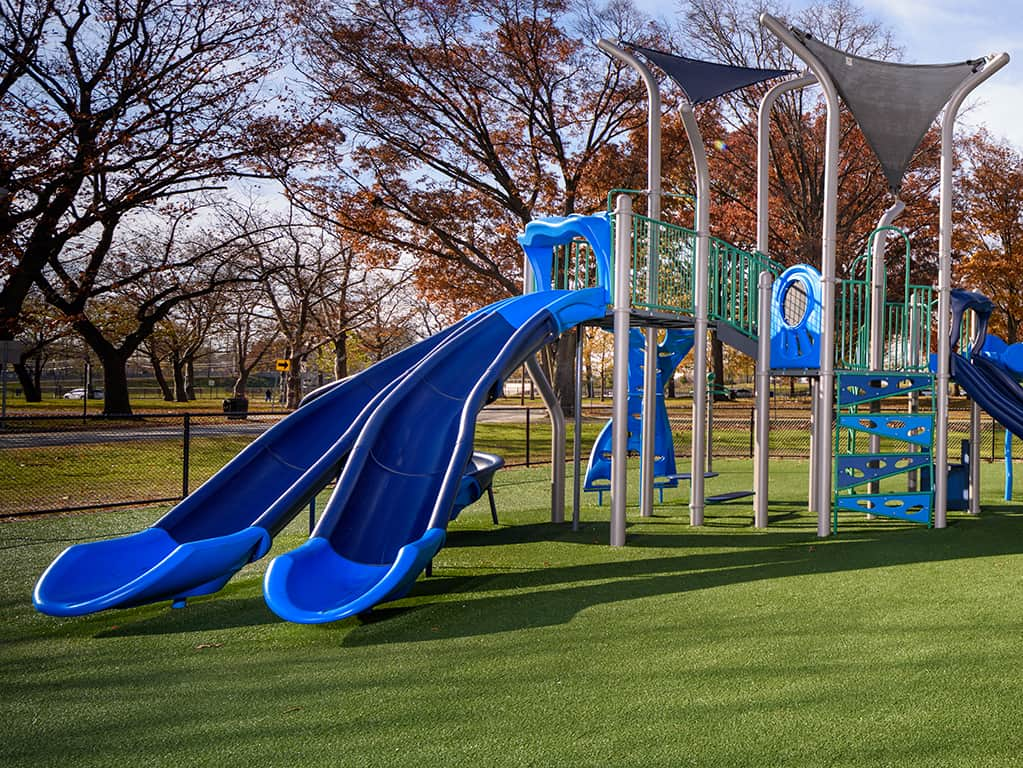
x,y
730,496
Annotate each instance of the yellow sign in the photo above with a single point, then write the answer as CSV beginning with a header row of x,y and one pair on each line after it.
x,y
283,364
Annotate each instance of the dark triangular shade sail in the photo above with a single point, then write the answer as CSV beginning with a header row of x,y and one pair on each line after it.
x,y
704,80
894,104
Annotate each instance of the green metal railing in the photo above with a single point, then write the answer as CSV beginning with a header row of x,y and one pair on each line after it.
x,y
733,275
906,326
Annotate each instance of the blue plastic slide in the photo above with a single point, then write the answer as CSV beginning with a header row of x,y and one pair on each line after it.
x,y
230,519
388,515
985,373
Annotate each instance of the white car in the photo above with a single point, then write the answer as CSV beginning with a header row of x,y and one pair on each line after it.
x,y
79,393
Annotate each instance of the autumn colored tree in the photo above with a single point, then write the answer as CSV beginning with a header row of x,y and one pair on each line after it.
x,y
145,276
471,118
988,237
112,107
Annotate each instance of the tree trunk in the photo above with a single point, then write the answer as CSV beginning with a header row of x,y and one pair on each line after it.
x,y
178,371
190,378
294,382
29,384
341,356
116,400
161,380
241,384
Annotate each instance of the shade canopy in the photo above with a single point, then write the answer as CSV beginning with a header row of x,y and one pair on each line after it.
x,y
894,104
703,81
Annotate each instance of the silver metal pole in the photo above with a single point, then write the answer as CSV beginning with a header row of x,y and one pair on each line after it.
x,y
991,65
877,302
877,286
826,388
577,438
700,321
558,438
974,456
813,474
914,355
761,455
653,212
557,417
764,153
620,393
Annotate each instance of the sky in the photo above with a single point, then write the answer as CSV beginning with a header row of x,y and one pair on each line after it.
x,y
942,31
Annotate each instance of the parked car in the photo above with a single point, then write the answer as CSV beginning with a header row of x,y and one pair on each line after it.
x,y
78,393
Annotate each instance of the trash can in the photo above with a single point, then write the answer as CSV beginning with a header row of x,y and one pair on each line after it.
x,y
236,407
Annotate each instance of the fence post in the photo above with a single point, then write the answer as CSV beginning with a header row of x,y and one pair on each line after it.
x,y
752,413
528,410
186,435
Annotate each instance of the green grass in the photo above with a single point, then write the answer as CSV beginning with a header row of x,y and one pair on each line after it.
x,y
888,645
55,477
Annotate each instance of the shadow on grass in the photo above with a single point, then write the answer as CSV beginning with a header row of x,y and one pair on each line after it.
x,y
202,615
546,597
516,598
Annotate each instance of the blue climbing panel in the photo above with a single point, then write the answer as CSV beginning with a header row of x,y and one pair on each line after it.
x,y
917,428
914,507
860,468
860,388
908,440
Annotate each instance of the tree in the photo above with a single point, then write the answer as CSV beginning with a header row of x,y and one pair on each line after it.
x,y
989,239
109,107
728,31
251,332
472,118
41,329
146,274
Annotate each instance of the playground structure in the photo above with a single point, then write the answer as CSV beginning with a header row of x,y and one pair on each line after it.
x,y
399,436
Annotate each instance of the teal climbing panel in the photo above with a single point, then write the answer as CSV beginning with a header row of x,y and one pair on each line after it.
x,y
906,441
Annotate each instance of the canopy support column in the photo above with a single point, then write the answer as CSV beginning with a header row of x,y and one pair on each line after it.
x,y
826,386
992,64
653,212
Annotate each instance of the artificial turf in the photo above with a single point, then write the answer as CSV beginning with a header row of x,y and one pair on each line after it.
x,y
533,645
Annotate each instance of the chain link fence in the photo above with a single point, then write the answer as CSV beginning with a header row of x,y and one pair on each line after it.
x,y
65,463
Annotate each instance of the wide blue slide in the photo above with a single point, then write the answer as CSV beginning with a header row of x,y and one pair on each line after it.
x,y
388,515
401,436
984,372
230,519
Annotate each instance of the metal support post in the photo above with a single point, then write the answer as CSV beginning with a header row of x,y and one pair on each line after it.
x,y
991,65
814,452
557,416
826,387
648,418
577,438
761,454
620,393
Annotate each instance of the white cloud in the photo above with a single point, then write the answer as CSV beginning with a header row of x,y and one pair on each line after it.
x,y
998,104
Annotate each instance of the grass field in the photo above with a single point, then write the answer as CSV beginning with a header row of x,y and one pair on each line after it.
x,y
888,645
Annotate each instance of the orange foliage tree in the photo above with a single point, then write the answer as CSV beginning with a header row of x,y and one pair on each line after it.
x,y
988,238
